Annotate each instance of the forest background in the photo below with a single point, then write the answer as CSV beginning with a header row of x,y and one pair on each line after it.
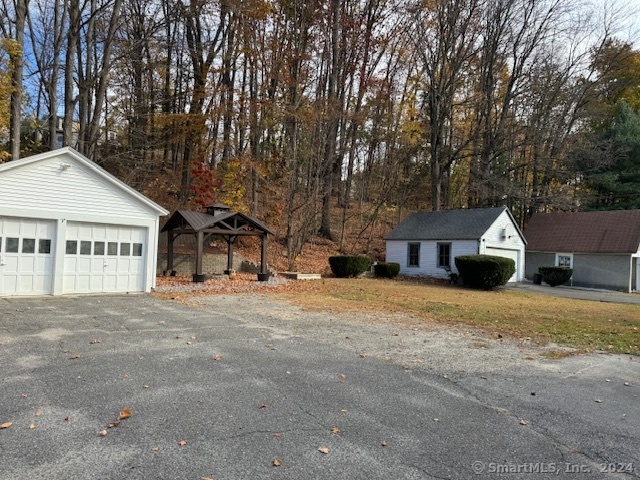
x,y
332,119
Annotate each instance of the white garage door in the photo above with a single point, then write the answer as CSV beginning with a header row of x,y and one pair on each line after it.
x,y
26,256
503,252
104,258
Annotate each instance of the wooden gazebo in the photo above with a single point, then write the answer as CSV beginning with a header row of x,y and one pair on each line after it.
x,y
215,220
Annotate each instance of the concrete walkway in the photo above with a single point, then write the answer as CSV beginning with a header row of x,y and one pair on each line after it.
x,y
578,293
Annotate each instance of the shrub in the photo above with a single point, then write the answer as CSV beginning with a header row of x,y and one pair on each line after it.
x,y
485,271
387,269
344,266
555,275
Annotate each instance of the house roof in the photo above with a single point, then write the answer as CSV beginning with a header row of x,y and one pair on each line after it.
x,y
91,166
466,224
613,231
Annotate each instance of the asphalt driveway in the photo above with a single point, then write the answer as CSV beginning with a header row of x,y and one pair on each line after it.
x,y
218,392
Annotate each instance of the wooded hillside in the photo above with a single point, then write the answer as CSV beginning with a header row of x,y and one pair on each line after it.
x,y
327,117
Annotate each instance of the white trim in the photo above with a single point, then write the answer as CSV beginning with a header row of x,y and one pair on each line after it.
x,y
561,254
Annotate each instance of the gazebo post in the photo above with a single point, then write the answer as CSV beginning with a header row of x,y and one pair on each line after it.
x,y
198,277
230,240
263,254
170,239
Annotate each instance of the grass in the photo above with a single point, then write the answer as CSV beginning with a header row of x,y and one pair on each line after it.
x,y
584,325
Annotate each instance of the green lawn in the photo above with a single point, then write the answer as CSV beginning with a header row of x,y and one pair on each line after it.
x,y
581,324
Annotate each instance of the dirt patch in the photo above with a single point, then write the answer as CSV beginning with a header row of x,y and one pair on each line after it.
x,y
396,337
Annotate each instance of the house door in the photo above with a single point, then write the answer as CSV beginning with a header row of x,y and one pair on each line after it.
x,y
26,256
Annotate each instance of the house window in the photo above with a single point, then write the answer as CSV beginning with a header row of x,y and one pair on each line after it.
x,y
413,255
444,255
564,260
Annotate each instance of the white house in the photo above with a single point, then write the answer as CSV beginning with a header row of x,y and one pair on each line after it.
x,y
67,227
426,243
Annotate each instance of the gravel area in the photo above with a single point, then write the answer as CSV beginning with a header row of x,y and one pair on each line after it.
x,y
395,337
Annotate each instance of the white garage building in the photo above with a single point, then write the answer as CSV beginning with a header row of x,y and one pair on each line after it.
x,y
68,227
426,243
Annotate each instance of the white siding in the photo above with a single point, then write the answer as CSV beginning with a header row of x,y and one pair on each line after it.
x,y
397,251
46,186
68,192
503,235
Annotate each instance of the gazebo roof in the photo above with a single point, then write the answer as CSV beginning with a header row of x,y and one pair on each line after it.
x,y
224,223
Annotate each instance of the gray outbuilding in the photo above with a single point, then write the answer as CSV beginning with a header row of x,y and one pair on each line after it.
x,y
602,247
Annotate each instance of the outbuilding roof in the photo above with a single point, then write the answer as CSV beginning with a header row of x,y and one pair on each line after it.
x,y
465,224
611,231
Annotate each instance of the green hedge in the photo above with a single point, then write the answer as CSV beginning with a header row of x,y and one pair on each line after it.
x,y
344,266
555,275
387,269
485,271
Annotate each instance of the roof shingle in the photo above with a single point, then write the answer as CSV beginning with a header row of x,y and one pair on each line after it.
x,y
466,224
613,231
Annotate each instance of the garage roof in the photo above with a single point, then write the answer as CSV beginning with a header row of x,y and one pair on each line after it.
x,y
464,224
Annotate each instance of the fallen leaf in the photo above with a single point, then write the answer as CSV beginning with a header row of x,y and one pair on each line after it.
x,y
335,430
524,422
363,355
94,341
207,478
38,413
103,432
6,425
113,425
342,377
182,443
32,426
145,386
126,375
188,343
324,450
154,449
262,405
24,395
277,434
598,401
344,410
73,357
384,443
217,358
126,413
193,338
277,463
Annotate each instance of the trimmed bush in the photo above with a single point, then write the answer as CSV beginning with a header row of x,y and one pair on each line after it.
x,y
387,269
344,266
555,275
485,271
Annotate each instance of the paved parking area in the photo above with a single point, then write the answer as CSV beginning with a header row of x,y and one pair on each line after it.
x,y
215,392
577,293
